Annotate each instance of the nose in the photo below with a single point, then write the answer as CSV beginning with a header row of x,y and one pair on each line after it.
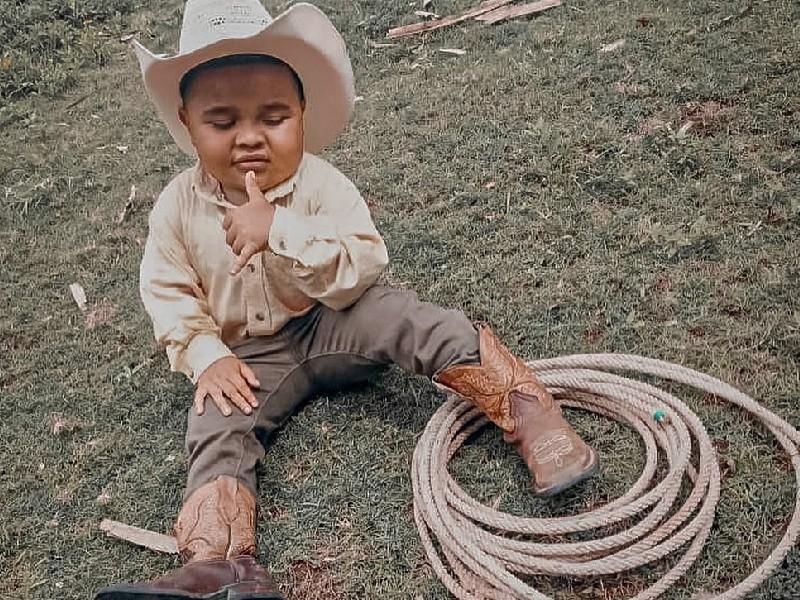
x,y
249,135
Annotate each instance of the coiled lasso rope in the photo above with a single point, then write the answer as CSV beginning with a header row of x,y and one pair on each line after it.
x,y
480,553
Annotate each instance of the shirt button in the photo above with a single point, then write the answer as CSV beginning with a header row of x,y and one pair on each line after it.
x,y
282,244
260,316
251,267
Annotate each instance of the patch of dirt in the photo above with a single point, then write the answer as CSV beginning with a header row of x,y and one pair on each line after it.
x,y
700,118
705,118
308,581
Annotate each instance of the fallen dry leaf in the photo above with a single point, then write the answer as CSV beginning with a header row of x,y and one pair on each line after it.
x,y
60,424
425,14
104,498
100,315
626,88
616,45
79,294
684,129
456,51
704,117
123,213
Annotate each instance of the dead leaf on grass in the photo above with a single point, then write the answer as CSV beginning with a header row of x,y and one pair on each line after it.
x,y
704,118
79,295
104,497
100,315
128,205
648,127
616,45
626,88
426,14
456,51
59,424
594,333
644,22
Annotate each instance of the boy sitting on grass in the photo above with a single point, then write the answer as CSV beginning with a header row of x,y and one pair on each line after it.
x,y
259,275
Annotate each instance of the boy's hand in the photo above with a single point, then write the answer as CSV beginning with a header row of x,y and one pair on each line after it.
x,y
247,226
228,380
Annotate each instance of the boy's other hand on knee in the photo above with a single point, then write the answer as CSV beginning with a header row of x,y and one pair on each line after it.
x,y
228,381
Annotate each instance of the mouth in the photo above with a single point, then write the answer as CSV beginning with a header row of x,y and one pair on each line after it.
x,y
251,163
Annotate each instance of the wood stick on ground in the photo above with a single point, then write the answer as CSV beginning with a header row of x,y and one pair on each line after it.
x,y
512,12
446,21
141,537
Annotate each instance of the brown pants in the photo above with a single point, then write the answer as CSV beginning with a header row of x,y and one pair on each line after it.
x,y
324,350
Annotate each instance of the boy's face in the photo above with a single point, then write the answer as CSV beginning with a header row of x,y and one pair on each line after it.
x,y
246,118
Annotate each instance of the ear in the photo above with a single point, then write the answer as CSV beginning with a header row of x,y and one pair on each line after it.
x,y
183,116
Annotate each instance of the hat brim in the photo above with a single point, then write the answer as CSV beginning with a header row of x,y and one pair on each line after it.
x,y
302,37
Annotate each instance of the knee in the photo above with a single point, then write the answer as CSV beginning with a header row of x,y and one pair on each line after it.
x,y
387,300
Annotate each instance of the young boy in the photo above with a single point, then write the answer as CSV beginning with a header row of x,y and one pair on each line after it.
x,y
259,273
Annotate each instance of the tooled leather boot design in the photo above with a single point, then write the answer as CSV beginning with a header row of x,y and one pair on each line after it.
x,y
217,521
512,397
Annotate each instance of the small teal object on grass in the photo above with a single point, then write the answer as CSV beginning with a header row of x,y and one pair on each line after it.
x,y
660,416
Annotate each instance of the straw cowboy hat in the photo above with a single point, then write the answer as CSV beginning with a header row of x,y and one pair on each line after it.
x,y
302,37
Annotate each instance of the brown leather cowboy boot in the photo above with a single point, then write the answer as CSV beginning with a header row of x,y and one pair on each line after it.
x,y
512,397
215,532
240,578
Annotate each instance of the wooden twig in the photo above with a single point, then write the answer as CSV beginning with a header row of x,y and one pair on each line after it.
x,y
446,21
141,537
512,12
75,103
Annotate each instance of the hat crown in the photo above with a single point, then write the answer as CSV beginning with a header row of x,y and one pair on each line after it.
x,y
209,21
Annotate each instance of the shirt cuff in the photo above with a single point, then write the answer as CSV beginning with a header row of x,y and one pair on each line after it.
x,y
287,236
202,351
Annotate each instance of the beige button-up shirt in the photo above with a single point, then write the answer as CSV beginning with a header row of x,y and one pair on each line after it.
x,y
323,247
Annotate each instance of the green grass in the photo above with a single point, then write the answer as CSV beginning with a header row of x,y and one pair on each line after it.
x,y
535,182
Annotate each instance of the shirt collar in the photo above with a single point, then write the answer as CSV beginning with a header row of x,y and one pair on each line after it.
x,y
208,188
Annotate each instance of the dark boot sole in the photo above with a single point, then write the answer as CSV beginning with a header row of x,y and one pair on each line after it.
x,y
555,490
125,592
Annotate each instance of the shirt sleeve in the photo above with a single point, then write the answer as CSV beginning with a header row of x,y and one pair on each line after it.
x,y
174,298
337,253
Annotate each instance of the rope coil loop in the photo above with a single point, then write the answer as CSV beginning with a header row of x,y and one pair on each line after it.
x,y
478,552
